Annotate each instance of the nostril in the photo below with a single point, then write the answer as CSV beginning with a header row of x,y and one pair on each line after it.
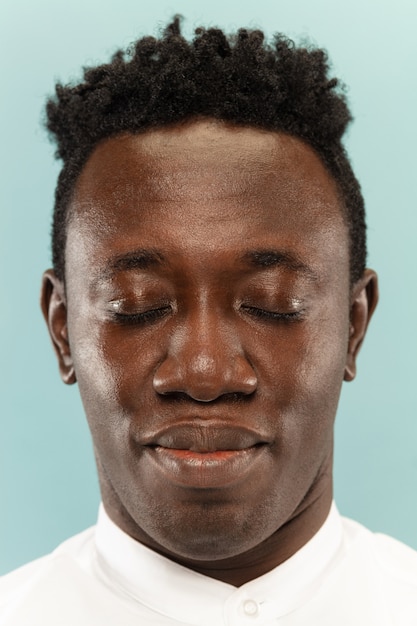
x,y
202,387
203,376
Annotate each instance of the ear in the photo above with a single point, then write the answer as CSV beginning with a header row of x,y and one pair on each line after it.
x,y
364,299
54,309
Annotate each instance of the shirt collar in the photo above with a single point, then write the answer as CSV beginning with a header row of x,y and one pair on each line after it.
x,y
191,598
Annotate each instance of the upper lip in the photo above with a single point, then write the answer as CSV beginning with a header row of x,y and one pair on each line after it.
x,y
200,436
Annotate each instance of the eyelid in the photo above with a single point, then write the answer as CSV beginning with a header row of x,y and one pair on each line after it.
x,y
136,306
148,314
144,317
115,305
267,314
292,309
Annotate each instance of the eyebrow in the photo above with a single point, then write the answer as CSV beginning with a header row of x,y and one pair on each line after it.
x,y
279,258
135,260
145,259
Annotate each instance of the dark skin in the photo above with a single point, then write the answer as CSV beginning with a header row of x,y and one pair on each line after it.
x,y
209,320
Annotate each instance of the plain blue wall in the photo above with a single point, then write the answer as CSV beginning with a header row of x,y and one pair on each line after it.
x,y
48,485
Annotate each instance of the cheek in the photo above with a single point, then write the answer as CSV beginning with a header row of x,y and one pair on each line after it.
x,y
114,371
301,373
324,361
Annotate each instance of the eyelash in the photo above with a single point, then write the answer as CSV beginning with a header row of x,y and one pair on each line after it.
x,y
273,315
142,318
156,314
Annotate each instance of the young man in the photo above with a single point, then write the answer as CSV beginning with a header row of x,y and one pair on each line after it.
x,y
209,295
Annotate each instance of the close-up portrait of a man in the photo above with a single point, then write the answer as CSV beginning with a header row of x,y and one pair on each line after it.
x,y
209,294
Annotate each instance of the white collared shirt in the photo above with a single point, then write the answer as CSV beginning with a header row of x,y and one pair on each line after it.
x,y
345,575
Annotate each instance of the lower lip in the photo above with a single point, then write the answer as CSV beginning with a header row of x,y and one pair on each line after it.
x,y
205,470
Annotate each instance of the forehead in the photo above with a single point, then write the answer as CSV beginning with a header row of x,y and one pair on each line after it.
x,y
172,160
205,183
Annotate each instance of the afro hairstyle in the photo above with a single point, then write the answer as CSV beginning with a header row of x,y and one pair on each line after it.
x,y
238,78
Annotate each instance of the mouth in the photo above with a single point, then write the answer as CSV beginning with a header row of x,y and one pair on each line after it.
x,y
205,456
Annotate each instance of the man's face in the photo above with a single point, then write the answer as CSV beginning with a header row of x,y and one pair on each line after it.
x,y
207,320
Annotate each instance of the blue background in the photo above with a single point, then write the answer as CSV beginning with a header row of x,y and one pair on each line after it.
x,y
48,488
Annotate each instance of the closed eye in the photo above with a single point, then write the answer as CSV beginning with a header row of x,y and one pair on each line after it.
x,y
273,315
143,317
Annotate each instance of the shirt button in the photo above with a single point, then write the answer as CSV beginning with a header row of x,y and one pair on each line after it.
x,y
250,607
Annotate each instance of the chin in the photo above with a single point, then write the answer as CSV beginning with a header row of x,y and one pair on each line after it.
x,y
215,532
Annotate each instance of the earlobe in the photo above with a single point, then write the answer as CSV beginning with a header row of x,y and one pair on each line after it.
x,y
363,302
54,309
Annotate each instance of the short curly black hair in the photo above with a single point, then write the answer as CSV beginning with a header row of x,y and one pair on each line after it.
x,y
237,78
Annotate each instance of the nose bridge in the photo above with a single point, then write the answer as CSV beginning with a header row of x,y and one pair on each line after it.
x,y
205,357
207,341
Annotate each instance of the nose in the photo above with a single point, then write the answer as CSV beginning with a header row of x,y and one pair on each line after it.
x,y
205,362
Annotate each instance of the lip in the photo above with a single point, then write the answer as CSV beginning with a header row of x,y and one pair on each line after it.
x,y
200,455
204,436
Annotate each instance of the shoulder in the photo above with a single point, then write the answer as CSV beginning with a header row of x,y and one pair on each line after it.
x,y
386,566
38,574
17,579
396,559
390,556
